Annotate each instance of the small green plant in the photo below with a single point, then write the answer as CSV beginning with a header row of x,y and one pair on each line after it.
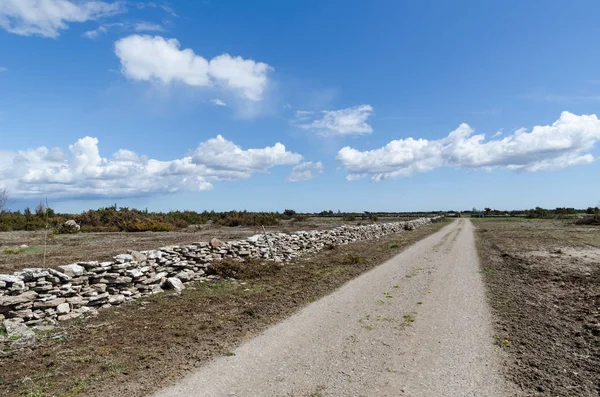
x,y
34,390
419,303
394,246
353,260
11,252
229,354
410,317
3,332
368,327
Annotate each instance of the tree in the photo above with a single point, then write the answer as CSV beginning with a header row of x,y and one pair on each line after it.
x,y
3,200
40,210
487,211
289,213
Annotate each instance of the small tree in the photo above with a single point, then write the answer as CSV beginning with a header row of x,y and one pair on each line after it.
x,y
289,213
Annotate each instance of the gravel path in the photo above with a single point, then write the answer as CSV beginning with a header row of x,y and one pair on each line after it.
x,y
418,325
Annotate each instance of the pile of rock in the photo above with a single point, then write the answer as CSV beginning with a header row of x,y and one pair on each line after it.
x,y
36,296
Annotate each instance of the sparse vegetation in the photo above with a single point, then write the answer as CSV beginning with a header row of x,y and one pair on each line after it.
x,y
542,280
162,335
410,317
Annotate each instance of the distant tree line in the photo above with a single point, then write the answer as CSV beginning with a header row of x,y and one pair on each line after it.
x,y
537,212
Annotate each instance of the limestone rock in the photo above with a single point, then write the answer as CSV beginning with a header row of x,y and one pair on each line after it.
x,y
49,303
18,332
33,274
116,299
72,270
216,243
175,283
63,308
28,296
70,226
138,256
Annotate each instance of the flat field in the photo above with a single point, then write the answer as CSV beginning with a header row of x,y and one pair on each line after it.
x,y
143,345
543,281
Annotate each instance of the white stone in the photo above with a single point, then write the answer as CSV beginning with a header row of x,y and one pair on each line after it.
x,y
175,283
63,308
72,270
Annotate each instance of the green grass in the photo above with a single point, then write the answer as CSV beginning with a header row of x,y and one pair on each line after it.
x,y
18,251
410,317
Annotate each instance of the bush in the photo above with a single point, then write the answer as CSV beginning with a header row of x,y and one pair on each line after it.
x,y
589,220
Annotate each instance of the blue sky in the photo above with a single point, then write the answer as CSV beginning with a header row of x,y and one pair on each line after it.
x,y
309,105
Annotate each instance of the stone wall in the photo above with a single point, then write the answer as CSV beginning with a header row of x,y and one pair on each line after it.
x,y
35,296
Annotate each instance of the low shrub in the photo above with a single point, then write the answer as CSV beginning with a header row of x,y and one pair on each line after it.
x,y
589,220
352,260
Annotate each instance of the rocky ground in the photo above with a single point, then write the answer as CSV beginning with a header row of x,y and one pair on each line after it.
x,y
543,280
139,346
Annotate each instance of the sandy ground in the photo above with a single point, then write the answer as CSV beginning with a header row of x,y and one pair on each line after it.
x,y
418,325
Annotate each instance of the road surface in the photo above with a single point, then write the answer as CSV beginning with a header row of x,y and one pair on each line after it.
x,y
418,325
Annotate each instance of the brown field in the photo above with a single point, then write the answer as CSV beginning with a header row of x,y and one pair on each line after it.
x,y
543,280
63,249
143,345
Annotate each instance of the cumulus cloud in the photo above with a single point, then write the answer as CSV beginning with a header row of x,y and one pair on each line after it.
x,y
566,142
48,17
349,121
155,58
218,102
305,171
3,69
83,172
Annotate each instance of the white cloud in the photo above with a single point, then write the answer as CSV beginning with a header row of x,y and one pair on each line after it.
x,y
123,27
218,102
305,171
2,69
566,142
48,17
158,59
219,153
93,34
148,27
84,172
349,121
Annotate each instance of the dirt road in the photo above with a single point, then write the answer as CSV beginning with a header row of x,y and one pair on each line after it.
x,y
417,325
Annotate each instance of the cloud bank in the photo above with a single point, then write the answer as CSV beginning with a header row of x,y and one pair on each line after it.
x,y
83,172
567,142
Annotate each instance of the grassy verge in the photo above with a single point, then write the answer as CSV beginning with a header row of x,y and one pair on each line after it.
x,y
543,283
139,347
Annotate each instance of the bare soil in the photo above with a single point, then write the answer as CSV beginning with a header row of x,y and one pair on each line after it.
x,y
63,249
543,281
139,347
